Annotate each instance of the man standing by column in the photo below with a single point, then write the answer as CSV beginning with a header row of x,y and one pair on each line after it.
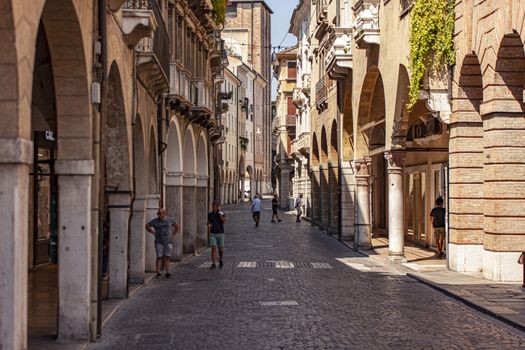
x,y
256,210
216,221
161,228
298,207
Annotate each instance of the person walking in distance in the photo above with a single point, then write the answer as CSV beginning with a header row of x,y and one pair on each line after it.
x,y
298,207
256,210
275,207
216,221
437,216
164,229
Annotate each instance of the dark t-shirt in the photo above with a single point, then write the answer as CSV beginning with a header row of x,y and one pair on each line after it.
x,y
163,230
439,217
275,204
214,218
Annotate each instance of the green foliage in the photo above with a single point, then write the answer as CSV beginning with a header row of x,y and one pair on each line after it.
x,y
219,11
431,40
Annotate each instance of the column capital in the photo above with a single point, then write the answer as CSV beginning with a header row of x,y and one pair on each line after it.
x,y
396,159
16,151
362,166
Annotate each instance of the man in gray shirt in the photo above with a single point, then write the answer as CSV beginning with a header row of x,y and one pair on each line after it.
x,y
164,229
256,210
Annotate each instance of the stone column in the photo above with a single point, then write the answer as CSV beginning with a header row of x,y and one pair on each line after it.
x,y
252,188
316,195
152,206
190,221
74,249
396,222
334,198
363,226
202,211
325,196
347,201
137,246
284,195
15,160
173,199
119,211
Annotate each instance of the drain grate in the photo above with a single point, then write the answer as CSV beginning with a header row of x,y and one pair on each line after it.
x,y
154,339
279,303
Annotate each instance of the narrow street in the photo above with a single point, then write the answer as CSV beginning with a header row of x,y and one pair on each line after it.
x,y
288,286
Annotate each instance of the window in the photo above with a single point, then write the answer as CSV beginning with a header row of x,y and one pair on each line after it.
x,y
292,70
405,5
231,10
291,107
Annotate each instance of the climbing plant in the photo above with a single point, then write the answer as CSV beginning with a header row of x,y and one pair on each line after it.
x,y
431,40
219,11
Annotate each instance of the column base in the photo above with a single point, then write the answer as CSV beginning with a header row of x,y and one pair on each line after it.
x,y
397,258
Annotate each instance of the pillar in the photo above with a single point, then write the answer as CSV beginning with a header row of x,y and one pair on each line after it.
x,y
202,211
396,227
347,201
362,222
119,212
316,195
325,196
152,207
74,250
173,182
189,229
15,167
137,246
284,195
334,198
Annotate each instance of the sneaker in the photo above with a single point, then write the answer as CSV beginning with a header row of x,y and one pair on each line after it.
x,y
168,275
212,266
221,264
274,220
256,224
158,275
280,220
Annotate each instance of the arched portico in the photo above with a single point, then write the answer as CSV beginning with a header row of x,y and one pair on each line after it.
x,y
325,181
173,184
333,177
202,191
152,201
316,181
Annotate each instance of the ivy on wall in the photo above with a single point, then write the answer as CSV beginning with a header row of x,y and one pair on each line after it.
x,y
431,40
219,11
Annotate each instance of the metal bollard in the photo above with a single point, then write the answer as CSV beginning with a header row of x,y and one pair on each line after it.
x,y
521,260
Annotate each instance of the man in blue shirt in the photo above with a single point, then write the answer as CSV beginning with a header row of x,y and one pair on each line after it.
x,y
161,228
216,221
256,210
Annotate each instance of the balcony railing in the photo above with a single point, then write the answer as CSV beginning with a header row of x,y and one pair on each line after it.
x,y
339,59
306,80
366,26
179,84
321,94
301,144
201,94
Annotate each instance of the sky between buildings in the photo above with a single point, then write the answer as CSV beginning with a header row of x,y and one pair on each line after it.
x,y
282,13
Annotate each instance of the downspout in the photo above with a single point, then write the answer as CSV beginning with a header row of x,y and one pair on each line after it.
x,y
98,150
236,99
134,108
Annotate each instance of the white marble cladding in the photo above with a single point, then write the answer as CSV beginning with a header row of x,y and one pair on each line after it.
x,y
366,25
301,145
339,57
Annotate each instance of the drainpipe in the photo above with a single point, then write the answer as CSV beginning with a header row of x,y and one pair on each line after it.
x,y
102,33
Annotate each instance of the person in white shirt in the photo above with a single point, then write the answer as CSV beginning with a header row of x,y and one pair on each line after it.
x,y
256,210
298,205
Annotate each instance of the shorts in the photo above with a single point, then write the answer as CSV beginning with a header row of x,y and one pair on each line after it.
x,y
256,215
217,239
439,232
163,249
274,210
299,211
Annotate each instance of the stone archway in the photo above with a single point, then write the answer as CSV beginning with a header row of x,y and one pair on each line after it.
x,y
333,179
202,191
324,188
315,181
173,185
189,193
152,200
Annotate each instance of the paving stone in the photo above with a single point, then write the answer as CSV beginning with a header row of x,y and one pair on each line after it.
x,y
356,304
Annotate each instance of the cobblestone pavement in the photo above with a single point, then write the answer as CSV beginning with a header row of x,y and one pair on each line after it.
x,y
287,286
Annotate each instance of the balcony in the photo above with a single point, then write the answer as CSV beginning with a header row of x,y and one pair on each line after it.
x,y
138,21
322,18
298,98
307,84
202,106
321,94
216,134
153,52
219,60
179,89
203,11
339,58
366,27
301,145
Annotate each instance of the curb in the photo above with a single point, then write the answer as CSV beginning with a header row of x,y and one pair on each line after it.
x,y
467,302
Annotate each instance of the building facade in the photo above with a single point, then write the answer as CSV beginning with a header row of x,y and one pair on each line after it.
x,y
248,32
109,114
377,166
